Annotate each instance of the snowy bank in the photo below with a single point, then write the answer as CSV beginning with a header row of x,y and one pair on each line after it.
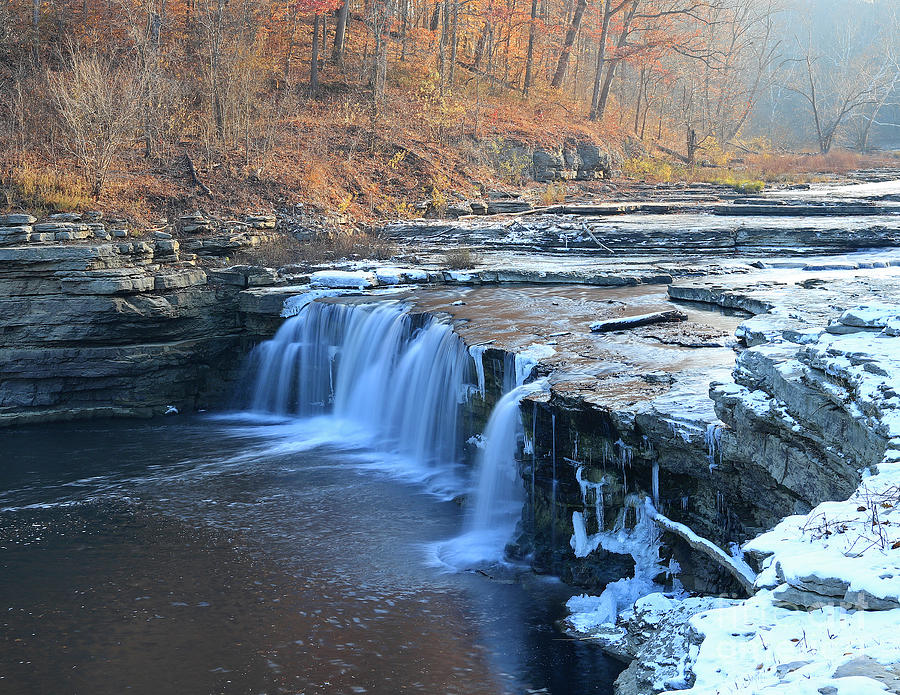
x,y
825,619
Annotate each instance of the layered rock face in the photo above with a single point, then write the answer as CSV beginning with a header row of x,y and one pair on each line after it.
x,y
574,160
100,329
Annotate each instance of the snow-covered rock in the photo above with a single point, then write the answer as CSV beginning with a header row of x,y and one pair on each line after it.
x,y
343,279
400,276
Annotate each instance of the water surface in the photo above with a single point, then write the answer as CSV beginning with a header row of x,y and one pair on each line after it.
x,y
197,555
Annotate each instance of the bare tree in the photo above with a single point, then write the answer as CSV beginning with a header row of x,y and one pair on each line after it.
x,y
838,74
98,106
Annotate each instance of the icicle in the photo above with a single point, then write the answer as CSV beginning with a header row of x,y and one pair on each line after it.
x,y
554,483
641,542
713,444
477,353
598,498
655,482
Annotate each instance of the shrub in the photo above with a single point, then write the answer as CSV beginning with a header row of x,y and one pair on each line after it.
x,y
98,104
460,259
554,193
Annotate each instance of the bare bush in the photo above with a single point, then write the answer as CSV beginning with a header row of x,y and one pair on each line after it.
x,y
461,259
98,103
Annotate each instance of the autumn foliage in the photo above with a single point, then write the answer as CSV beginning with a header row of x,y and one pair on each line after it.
x,y
360,107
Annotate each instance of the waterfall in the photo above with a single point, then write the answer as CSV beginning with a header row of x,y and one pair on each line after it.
x,y
403,379
498,493
371,365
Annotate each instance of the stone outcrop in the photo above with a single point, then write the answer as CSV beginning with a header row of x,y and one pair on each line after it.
x,y
110,329
575,159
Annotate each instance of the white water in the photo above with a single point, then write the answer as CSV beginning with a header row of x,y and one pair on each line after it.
x,y
372,367
347,368
498,495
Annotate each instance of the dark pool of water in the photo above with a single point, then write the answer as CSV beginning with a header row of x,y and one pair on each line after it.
x,y
192,555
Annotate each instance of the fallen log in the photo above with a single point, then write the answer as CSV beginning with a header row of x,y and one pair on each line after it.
x,y
192,172
736,567
628,322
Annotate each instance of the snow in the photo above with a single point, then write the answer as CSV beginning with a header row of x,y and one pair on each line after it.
x,y
294,305
841,560
744,646
397,276
737,565
345,279
870,315
527,360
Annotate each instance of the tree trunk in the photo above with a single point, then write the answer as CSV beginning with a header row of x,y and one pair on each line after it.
x,y
601,59
603,97
529,57
563,61
340,29
404,27
453,40
480,46
692,145
35,25
442,44
314,63
435,17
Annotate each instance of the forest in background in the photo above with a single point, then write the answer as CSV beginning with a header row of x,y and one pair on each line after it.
x,y
363,108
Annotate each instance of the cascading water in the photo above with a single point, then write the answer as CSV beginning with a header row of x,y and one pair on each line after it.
x,y
404,380
498,493
373,367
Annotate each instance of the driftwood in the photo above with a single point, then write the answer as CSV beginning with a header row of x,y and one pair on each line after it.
x,y
736,568
588,231
194,178
629,322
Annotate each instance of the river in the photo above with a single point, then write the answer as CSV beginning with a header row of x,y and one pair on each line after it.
x,y
231,555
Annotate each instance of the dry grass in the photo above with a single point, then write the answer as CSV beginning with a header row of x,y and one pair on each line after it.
x,y
810,167
42,191
461,259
